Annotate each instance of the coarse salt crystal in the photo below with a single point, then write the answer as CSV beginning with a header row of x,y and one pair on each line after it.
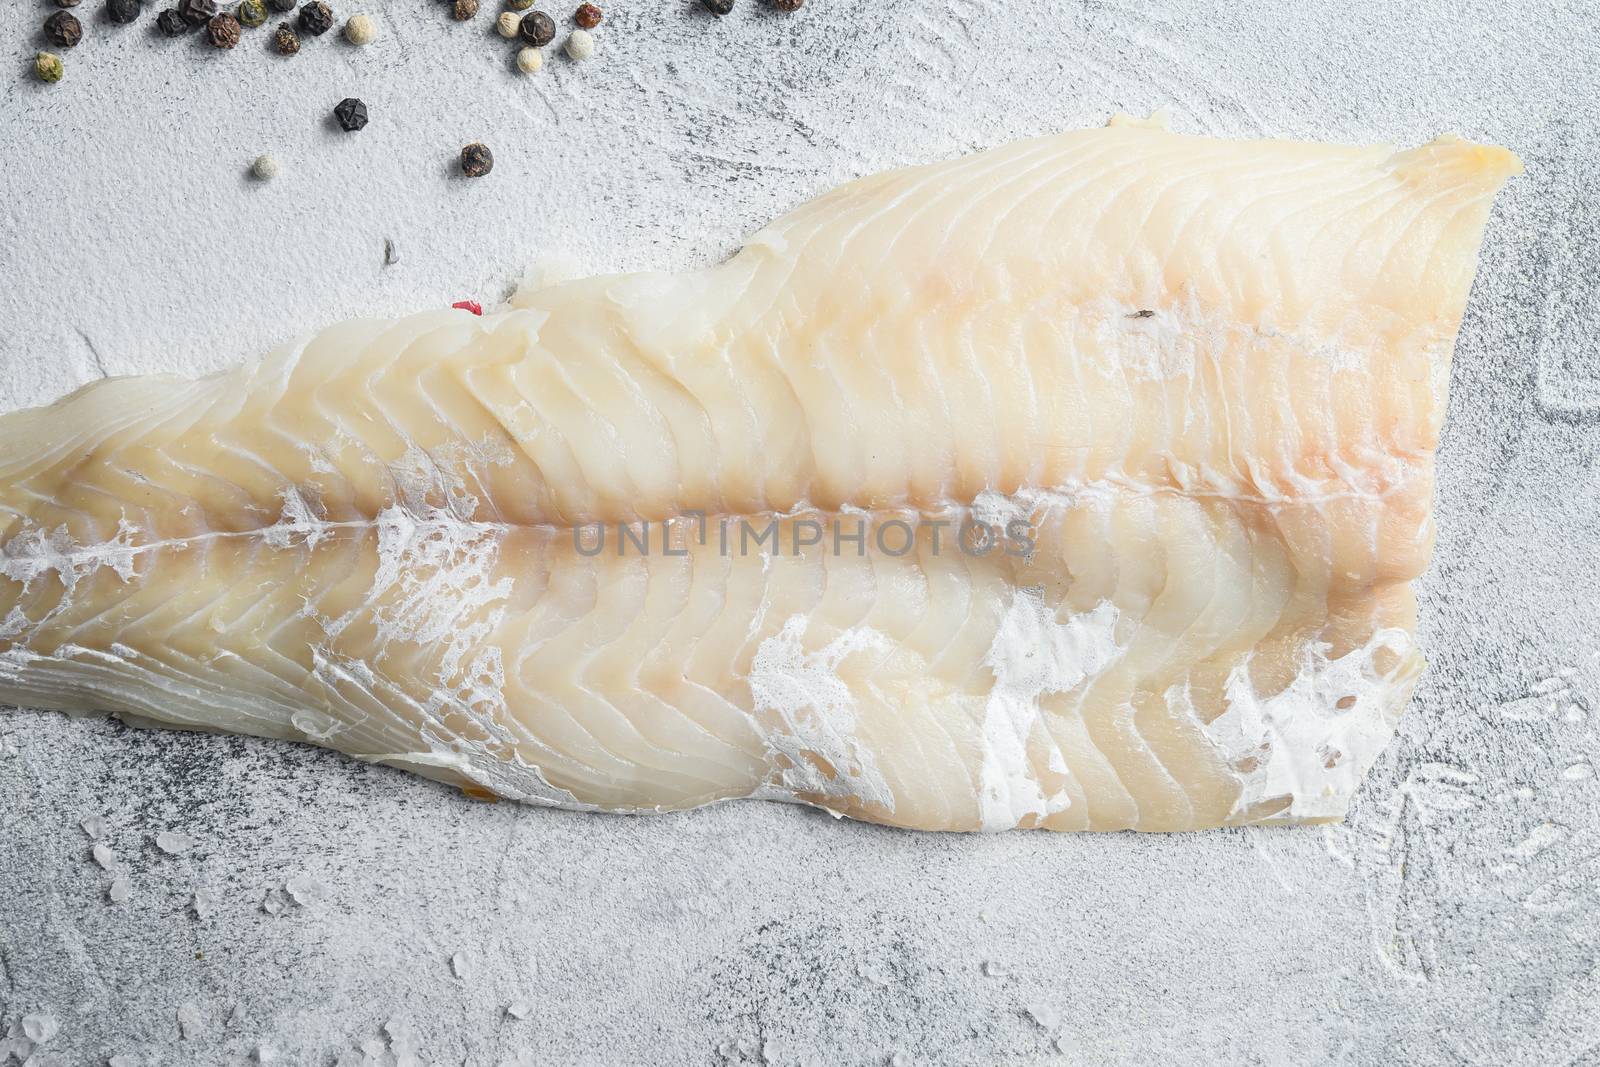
x,y
173,843
305,889
1045,1015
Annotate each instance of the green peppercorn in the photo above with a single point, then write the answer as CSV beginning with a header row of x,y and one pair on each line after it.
x,y
476,160
538,29
285,40
252,13
47,65
63,29
223,31
316,18
172,24
123,11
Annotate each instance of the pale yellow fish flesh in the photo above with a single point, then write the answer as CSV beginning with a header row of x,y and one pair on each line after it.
x,y
1186,392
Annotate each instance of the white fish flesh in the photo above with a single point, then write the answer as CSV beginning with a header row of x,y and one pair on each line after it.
x,y
1074,484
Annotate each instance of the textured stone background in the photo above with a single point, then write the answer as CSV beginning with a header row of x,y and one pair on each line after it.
x,y
1454,919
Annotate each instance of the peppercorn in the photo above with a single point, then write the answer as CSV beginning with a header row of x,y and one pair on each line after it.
x,y
197,12
717,7
171,23
63,29
281,7
123,11
360,30
476,160
265,168
587,16
538,29
530,61
507,24
788,5
316,18
462,10
223,31
351,114
66,3
285,40
519,5
47,65
580,44
252,13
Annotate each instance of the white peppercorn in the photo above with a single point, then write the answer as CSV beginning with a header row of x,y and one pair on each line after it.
x,y
360,30
580,44
530,61
508,24
265,168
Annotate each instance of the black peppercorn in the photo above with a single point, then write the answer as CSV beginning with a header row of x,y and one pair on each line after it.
x,y
197,12
171,23
316,18
66,3
476,160
351,114
223,31
281,6
537,28
587,16
123,11
462,10
788,5
285,40
717,7
63,29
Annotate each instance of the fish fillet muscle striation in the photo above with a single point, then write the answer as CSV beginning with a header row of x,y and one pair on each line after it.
x,y
1074,484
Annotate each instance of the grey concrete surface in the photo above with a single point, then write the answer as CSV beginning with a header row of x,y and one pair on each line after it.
x,y
1455,919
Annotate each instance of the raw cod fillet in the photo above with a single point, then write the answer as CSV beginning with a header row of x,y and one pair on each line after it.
x,y
1188,389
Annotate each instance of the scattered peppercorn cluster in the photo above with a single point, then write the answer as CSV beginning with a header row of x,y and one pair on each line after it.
x,y
221,28
533,30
